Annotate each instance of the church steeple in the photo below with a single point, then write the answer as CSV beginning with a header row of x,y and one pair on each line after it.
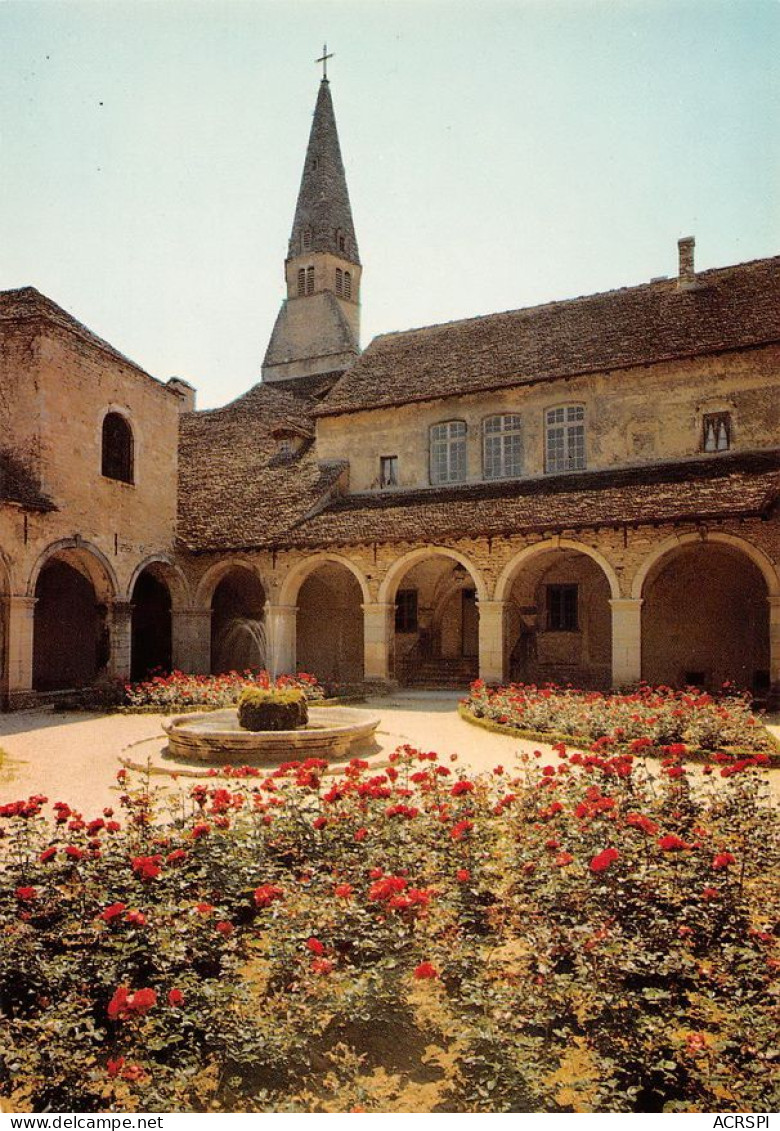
x,y
318,327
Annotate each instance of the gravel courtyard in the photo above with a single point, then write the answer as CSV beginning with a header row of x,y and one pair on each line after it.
x,y
74,757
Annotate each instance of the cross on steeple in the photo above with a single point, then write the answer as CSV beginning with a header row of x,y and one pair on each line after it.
x,y
324,60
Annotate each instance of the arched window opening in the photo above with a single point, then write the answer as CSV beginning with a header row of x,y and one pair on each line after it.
x,y
717,431
565,439
347,285
301,281
309,280
306,239
448,452
117,459
502,446
339,281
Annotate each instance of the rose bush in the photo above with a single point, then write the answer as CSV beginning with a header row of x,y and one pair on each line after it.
x,y
576,936
644,720
179,691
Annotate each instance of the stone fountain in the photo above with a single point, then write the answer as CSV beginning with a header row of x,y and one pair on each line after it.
x,y
217,738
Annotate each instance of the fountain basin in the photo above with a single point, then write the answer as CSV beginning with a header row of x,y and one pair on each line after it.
x,y
215,737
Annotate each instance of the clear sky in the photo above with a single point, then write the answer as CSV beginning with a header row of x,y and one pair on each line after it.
x,y
498,154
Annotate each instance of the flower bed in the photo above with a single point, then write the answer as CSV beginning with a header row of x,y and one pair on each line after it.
x,y
648,720
179,692
580,936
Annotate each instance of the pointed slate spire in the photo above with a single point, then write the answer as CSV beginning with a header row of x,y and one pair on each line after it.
x,y
323,217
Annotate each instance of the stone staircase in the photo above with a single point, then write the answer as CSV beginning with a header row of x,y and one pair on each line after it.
x,y
439,672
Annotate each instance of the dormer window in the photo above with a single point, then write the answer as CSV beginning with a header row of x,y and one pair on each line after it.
x,y
339,281
347,285
716,435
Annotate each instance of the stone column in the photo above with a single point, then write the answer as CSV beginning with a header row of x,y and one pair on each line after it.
x,y
626,641
19,633
378,627
491,640
191,640
120,631
281,629
774,653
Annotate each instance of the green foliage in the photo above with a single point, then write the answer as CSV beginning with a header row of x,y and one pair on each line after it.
x,y
576,936
261,709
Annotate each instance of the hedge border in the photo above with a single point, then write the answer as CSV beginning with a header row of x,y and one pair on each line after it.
x,y
550,738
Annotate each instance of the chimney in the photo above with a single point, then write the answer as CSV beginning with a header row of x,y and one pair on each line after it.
x,y
184,391
687,272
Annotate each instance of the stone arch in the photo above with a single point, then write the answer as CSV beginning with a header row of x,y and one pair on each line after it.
x,y
435,634
74,586
402,565
705,614
758,557
92,561
329,634
204,591
515,564
557,614
169,572
288,593
239,606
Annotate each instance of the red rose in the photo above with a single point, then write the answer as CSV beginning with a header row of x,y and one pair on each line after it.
x,y
26,895
426,970
73,852
175,997
343,891
176,856
672,843
112,912
321,965
225,928
147,867
723,860
361,834
462,787
204,908
315,946
319,822
47,854
604,859
463,875
118,1005
563,859
136,918
710,893
200,830
266,894
142,1001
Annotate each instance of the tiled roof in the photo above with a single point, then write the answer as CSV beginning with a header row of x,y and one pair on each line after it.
x,y
233,490
728,308
18,485
28,303
323,200
717,487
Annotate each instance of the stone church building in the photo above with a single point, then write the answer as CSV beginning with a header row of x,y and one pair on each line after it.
x,y
583,491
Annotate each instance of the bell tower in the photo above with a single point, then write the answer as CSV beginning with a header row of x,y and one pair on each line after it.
x,y
318,327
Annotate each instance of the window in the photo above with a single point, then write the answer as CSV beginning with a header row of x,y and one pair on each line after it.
x,y
562,608
341,240
306,239
388,471
716,436
502,447
117,459
339,281
565,439
406,610
347,285
309,280
448,452
301,281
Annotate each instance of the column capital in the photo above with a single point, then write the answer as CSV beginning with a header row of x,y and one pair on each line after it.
x,y
626,603
376,606
22,602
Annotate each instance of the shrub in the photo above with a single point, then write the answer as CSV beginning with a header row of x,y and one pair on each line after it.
x,y
646,719
179,691
265,709
575,936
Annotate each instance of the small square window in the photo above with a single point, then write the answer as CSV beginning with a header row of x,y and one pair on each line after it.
x,y
406,610
562,608
388,471
716,431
